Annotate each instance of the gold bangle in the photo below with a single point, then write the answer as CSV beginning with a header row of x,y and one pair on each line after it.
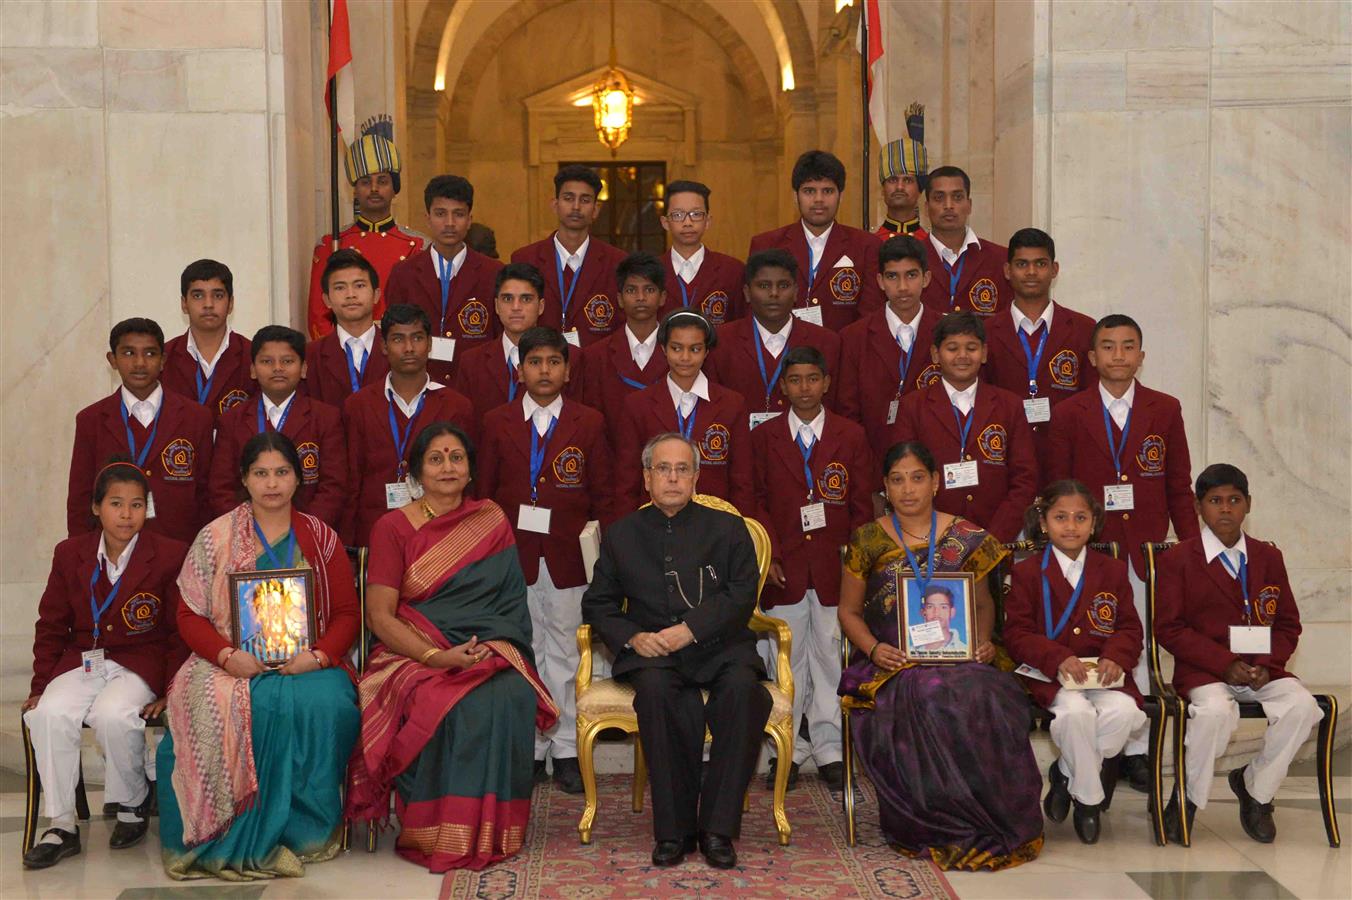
x,y
875,646
431,652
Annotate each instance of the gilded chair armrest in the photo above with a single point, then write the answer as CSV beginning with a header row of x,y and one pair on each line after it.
x,y
584,659
763,624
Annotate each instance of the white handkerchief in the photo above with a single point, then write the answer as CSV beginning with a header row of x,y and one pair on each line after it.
x,y
843,262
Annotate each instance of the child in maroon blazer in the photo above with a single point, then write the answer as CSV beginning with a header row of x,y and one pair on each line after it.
x,y
545,460
698,278
166,435
350,356
209,363
106,645
813,471
1225,610
689,402
976,431
1068,602
487,374
314,427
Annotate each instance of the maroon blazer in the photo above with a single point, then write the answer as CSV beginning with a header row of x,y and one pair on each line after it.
x,y
1000,442
593,310
842,471
844,293
982,289
575,484
1104,623
469,317
177,465
317,431
326,375
230,381
1155,462
371,458
608,376
733,363
137,631
869,377
718,290
720,429
484,378
1196,602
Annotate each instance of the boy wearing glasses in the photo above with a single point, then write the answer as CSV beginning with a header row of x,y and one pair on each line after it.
x,y
698,278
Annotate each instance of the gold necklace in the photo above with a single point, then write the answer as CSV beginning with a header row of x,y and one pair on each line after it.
x,y
427,509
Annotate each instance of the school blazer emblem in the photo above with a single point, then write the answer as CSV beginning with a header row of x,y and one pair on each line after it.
x,y
1103,612
715,307
845,285
600,311
1151,455
1065,370
994,443
928,376
233,397
141,612
473,318
177,458
833,482
714,447
308,451
983,296
1265,610
569,466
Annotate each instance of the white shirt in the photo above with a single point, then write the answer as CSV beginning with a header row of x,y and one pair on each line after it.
x,y
641,351
963,400
1071,568
1118,407
774,341
408,408
815,427
571,260
816,244
687,269
114,568
208,365
541,414
1030,325
1212,548
275,412
439,261
143,411
367,340
684,401
510,354
904,332
968,240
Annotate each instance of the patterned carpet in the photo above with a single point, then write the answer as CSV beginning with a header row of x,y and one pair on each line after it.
x,y
817,864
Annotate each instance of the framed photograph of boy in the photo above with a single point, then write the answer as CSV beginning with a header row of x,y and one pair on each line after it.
x,y
936,621
272,614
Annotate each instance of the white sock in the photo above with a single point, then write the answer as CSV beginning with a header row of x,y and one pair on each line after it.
x,y
128,814
66,823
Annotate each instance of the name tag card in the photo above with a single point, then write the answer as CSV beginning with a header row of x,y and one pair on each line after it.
x,y
150,506
1028,671
1037,409
533,518
926,633
813,516
811,314
92,663
1251,639
397,495
443,349
573,337
1119,497
963,474
892,412
761,418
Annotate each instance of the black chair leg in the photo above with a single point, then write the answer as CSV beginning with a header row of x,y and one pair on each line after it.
x,y
1159,721
33,790
847,788
81,801
1323,762
1109,779
1180,716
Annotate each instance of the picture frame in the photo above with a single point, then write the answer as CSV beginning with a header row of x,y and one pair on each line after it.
x,y
272,613
914,622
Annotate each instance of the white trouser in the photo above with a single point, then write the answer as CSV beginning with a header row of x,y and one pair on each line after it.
x,y
1213,715
112,706
815,661
1088,727
555,614
1137,743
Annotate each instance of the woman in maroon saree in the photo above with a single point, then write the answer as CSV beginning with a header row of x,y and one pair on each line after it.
x,y
450,699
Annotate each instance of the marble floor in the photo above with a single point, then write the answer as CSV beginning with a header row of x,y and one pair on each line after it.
x,y
1222,862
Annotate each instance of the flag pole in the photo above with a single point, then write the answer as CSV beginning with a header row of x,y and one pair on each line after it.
x,y
333,144
863,93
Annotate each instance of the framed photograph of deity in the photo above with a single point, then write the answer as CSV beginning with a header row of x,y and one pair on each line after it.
x,y
272,614
936,623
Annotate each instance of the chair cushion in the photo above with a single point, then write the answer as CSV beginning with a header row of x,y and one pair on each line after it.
x,y
607,697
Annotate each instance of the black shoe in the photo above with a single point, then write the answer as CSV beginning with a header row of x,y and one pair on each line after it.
x,y
1172,829
672,853
1254,816
567,775
1056,805
770,775
128,834
539,774
44,856
833,774
1087,822
1135,771
718,850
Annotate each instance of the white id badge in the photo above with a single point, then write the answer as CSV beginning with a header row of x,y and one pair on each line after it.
x,y
811,314
572,337
92,663
761,418
926,633
1251,639
1118,497
892,412
533,518
1037,409
443,349
812,515
150,506
958,475
397,495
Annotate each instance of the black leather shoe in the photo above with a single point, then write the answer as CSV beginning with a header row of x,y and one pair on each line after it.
x,y
1172,830
1135,771
539,774
774,767
128,834
567,775
672,853
44,856
1254,816
1057,802
1087,822
718,850
833,774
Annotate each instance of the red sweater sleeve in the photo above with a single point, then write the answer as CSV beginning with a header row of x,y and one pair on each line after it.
x,y
199,634
344,611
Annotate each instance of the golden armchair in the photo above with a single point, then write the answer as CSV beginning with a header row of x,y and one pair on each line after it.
x,y
605,703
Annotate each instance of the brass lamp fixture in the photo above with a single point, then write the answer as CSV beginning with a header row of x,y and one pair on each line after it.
x,y
613,100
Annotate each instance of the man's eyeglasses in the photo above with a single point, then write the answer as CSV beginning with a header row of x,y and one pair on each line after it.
x,y
666,470
694,215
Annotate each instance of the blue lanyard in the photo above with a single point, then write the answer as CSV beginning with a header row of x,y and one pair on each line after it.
x,y
922,579
813,263
636,385
806,451
287,555
1242,576
281,420
511,380
537,453
1034,359
140,458
760,361
955,275
1054,633
904,364
685,294
567,300
203,387
964,429
355,373
687,425
95,609
401,442
1116,449
444,276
